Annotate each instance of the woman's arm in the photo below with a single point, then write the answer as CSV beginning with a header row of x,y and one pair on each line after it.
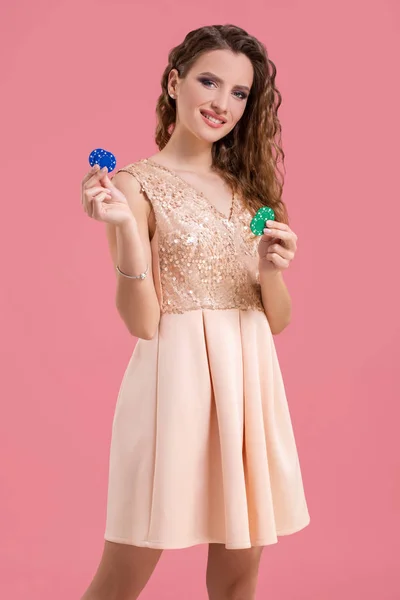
x,y
276,300
130,249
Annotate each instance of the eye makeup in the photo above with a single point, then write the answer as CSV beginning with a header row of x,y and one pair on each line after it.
x,y
206,80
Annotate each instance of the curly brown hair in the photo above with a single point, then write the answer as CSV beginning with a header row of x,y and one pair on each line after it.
x,y
247,158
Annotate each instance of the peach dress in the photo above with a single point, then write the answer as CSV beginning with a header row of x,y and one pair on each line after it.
x,y
202,447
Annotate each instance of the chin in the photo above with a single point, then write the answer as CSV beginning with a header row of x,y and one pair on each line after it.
x,y
214,137
209,135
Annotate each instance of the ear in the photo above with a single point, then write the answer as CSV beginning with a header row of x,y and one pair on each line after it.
x,y
173,78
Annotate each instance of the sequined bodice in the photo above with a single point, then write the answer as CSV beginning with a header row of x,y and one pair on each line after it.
x,y
201,259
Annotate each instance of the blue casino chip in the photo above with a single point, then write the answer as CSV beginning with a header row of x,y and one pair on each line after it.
x,y
103,158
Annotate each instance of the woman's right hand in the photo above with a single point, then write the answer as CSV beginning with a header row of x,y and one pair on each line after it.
x,y
102,201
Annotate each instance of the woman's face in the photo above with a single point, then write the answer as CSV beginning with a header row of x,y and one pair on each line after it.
x,y
217,85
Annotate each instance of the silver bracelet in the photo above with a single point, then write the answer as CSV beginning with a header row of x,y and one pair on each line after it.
x,y
141,276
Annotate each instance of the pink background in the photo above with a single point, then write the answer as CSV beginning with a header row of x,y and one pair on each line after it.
x,y
81,75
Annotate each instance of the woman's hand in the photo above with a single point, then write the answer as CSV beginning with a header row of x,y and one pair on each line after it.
x,y
277,247
101,200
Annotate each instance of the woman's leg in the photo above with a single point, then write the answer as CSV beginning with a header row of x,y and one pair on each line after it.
x,y
232,574
122,573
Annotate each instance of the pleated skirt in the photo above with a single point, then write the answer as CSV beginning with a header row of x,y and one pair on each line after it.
x,y
203,448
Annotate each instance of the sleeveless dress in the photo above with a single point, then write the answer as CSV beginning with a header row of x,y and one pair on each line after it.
x,y
202,447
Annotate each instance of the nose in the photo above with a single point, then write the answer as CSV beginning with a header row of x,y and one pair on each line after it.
x,y
220,101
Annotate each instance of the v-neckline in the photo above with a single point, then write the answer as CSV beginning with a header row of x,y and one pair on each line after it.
x,y
196,191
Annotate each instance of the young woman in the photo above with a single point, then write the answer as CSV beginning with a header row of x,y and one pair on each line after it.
x,y
202,447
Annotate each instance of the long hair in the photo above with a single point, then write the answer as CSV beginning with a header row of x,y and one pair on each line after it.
x,y
248,156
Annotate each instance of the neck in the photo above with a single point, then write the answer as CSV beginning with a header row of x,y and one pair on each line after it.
x,y
188,152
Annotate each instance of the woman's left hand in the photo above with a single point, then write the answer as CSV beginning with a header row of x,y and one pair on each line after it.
x,y
277,247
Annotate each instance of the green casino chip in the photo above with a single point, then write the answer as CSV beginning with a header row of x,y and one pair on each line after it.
x,y
257,224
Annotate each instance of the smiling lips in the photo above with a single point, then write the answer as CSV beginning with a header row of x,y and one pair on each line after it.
x,y
212,119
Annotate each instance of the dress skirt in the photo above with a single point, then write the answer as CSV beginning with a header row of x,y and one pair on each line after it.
x,y
202,448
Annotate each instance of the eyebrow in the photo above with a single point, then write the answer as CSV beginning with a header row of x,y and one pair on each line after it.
x,y
219,80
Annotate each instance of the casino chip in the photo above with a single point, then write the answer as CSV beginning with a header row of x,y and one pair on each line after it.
x,y
103,158
257,224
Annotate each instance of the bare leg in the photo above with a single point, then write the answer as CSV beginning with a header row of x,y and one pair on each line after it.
x,y
123,572
232,574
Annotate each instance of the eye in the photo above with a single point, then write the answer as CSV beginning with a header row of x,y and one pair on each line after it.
x,y
242,95
205,81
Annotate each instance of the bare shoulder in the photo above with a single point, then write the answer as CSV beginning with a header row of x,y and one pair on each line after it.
x,y
129,185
